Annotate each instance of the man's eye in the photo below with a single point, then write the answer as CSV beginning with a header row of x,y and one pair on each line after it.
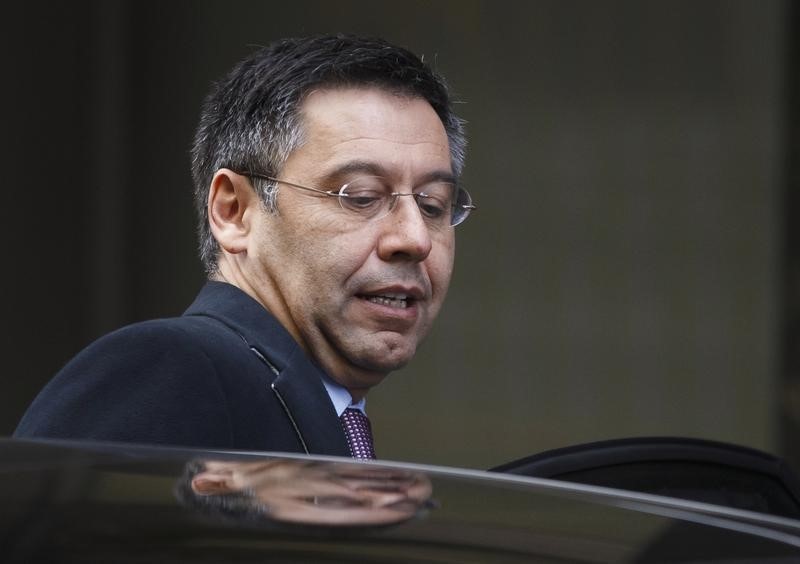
x,y
431,207
363,199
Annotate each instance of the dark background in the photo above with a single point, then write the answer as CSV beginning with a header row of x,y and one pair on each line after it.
x,y
632,269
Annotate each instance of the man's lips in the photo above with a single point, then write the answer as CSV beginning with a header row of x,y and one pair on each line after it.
x,y
394,297
398,301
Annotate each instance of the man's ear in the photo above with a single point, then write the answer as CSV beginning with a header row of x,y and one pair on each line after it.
x,y
232,203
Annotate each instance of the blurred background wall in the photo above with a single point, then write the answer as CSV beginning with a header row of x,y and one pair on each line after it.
x,y
630,270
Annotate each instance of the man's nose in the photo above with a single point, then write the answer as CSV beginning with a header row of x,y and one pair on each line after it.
x,y
405,235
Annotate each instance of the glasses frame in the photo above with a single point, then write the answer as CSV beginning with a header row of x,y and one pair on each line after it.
x,y
468,207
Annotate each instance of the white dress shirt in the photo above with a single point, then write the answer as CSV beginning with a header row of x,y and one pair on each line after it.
x,y
341,398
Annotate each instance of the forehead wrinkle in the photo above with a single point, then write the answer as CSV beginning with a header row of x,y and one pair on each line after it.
x,y
359,118
388,140
417,145
326,150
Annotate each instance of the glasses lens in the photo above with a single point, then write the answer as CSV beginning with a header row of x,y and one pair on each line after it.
x,y
435,203
368,196
441,204
462,207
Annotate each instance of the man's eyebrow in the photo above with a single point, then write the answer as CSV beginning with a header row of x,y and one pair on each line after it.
x,y
350,168
439,176
372,168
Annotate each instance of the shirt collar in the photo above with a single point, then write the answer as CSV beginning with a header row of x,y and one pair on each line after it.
x,y
341,398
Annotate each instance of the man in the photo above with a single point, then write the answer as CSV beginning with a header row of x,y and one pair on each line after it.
x,y
325,177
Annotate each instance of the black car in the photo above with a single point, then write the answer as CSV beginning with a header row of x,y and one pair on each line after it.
x,y
67,501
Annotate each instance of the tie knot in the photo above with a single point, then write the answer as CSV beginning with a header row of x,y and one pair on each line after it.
x,y
359,433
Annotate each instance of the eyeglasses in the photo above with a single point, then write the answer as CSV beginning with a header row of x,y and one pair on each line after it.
x,y
441,203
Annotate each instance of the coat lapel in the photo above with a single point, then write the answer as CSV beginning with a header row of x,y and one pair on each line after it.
x,y
298,383
300,388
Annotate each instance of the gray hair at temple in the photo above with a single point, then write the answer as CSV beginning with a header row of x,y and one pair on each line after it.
x,y
251,119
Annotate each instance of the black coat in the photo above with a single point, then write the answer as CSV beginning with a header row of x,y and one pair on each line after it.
x,y
225,375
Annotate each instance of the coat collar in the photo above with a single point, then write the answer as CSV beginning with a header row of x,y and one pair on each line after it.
x,y
244,315
299,381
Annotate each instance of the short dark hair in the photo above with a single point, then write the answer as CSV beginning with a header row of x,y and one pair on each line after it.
x,y
251,121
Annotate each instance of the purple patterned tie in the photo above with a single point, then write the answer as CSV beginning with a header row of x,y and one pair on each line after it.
x,y
359,433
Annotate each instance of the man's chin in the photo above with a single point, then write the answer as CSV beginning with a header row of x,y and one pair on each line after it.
x,y
384,357
370,355
368,368
382,366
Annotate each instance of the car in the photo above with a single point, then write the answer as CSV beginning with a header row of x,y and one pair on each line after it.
x,y
88,502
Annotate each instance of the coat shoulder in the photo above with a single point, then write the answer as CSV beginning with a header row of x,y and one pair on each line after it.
x,y
163,381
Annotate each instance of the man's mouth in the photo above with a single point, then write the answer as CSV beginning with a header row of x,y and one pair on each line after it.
x,y
390,299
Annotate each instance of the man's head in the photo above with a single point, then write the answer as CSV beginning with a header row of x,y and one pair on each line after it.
x,y
358,290
251,119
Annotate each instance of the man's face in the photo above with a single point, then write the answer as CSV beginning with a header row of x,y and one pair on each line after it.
x,y
332,278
